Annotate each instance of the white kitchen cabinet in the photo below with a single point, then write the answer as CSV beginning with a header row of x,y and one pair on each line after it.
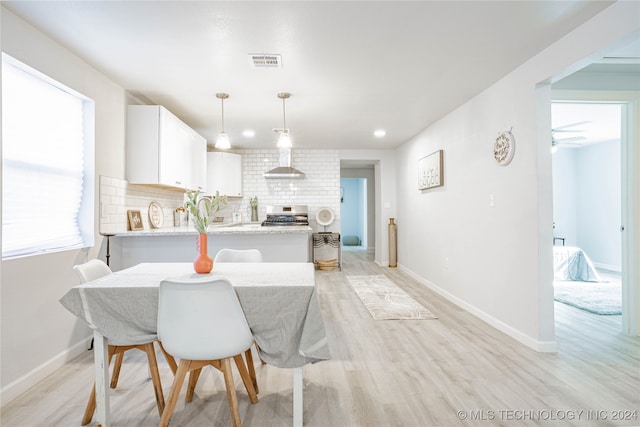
x,y
160,148
198,163
224,172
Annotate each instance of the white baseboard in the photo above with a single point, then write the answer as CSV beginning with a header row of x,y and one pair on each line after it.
x,y
540,346
24,383
616,268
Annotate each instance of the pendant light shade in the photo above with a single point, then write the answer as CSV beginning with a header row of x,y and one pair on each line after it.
x,y
222,143
284,141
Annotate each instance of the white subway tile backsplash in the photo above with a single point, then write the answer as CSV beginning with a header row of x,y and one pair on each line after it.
x,y
117,196
320,188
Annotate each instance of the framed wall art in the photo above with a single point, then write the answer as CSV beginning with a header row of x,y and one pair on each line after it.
x,y
504,148
431,171
135,220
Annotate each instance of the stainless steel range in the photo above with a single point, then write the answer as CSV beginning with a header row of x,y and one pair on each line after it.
x,y
287,215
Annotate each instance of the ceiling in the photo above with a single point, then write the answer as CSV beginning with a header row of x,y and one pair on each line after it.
x,y
578,124
351,67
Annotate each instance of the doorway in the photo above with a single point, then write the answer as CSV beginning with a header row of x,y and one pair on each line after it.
x,y
587,206
353,201
614,77
358,205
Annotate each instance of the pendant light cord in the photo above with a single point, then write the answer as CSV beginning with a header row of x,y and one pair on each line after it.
x,y
222,100
284,118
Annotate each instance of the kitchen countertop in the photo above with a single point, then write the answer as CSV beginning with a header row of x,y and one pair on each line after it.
x,y
223,229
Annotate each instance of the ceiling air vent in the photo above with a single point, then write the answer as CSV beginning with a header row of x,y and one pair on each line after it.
x,y
262,60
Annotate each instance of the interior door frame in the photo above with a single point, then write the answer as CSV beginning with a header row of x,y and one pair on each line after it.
x,y
630,203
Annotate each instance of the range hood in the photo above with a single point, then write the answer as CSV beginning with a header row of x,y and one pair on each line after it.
x,y
284,170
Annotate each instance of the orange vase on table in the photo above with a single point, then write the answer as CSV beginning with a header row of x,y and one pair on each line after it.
x,y
203,264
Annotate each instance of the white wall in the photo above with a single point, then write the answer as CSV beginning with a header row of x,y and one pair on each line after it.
x,y
565,207
38,334
599,215
497,261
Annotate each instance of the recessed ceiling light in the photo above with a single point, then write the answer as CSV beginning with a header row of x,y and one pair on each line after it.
x,y
379,133
248,133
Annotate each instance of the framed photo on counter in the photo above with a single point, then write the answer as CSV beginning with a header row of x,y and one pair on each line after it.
x,y
135,220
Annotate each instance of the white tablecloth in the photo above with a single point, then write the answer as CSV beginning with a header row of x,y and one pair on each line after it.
x,y
278,299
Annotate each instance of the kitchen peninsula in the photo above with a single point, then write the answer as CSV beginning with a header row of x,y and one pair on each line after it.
x,y
178,244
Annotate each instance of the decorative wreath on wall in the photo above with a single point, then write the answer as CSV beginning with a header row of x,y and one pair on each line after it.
x,y
504,148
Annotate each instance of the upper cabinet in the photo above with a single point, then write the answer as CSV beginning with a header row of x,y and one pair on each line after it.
x,y
224,172
162,150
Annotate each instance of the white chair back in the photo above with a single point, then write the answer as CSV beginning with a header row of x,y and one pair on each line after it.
x,y
91,270
238,255
201,319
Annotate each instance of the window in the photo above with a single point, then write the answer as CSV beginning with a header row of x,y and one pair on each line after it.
x,y
47,164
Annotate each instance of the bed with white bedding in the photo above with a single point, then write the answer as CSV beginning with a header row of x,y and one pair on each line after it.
x,y
572,263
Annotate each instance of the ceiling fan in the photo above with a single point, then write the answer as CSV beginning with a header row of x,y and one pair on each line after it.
x,y
571,140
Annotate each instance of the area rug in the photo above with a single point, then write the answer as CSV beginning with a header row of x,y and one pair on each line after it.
x,y
385,300
599,298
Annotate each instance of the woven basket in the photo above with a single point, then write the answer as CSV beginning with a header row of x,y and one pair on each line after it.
x,y
329,264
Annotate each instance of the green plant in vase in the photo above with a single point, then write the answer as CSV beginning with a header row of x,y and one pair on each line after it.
x,y
202,212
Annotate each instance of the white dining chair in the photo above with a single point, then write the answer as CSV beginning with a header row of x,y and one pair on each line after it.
x,y
201,322
238,255
92,270
243,255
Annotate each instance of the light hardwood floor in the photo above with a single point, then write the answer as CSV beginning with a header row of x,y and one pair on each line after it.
x,y
388,373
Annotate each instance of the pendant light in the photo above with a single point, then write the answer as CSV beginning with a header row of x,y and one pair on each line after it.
x,y
284,141
223,140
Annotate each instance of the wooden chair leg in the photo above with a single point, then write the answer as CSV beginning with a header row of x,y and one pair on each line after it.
x,y
193,380
116,370
171,361
91,404
155,376
91,407
246,378
252,369
181,372
231,392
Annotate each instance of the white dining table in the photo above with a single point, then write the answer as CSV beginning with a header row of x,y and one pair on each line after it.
x,y
279,301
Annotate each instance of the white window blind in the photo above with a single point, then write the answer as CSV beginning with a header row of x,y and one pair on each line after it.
x,y
42,163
